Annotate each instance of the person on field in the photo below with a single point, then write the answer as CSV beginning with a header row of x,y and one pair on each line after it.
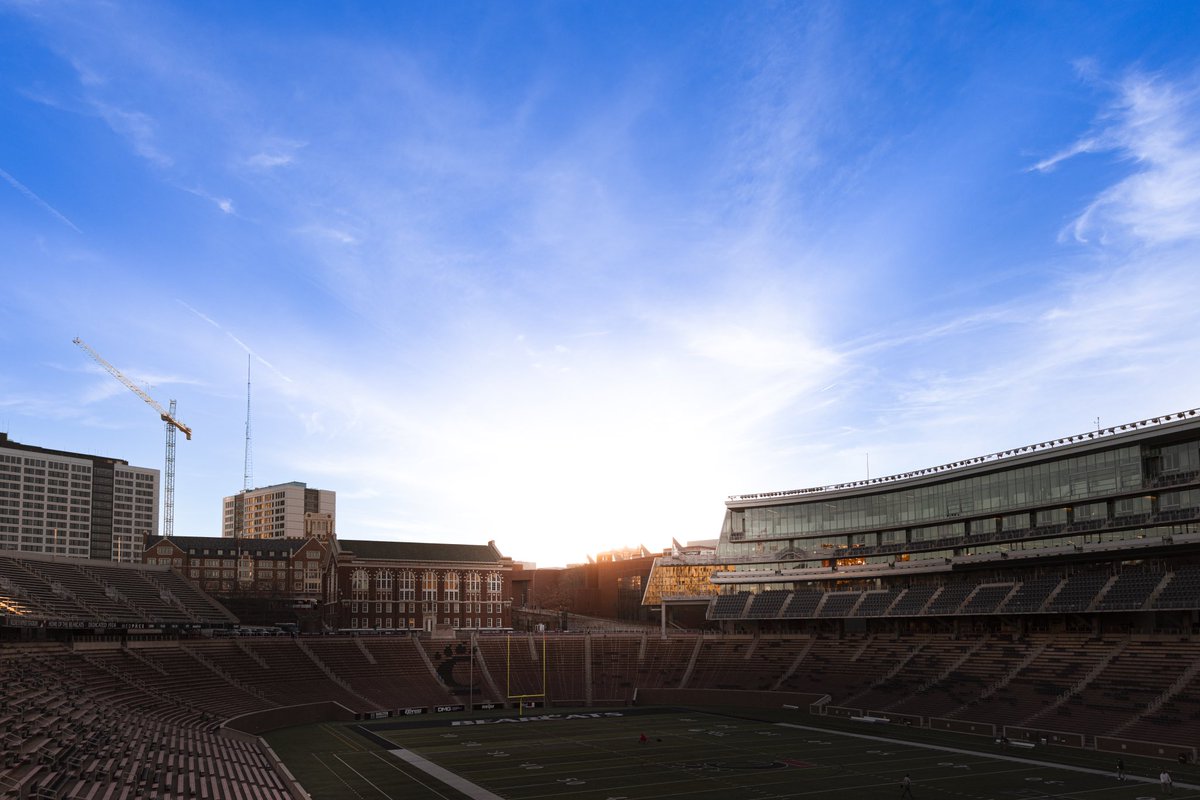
x,y
1164,780
907,790
1120,769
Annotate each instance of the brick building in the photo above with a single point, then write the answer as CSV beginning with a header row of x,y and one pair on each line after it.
x,y
419,585
293,570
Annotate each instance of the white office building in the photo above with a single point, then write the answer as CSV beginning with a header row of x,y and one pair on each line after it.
x,y
284,511
74,504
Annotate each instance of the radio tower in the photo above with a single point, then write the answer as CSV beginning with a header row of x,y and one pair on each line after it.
x,y
248,465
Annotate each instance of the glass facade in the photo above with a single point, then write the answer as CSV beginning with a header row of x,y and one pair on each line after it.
x,y
1074,479
1143,489
677,579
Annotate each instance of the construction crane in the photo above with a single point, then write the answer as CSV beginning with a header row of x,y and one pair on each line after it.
x,y
172,425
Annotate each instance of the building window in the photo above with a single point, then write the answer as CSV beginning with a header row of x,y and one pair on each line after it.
x,y
429,586
408,585
358,584
451,585
245,569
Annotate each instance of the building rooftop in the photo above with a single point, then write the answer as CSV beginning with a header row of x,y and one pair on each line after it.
x,y
200,542
1068,445
421,551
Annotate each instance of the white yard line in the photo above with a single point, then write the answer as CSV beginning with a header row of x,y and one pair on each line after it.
x,y
364,777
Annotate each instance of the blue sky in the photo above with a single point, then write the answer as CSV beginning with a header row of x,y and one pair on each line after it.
x,y
567,275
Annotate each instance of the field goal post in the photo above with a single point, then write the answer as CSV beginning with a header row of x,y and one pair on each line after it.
x,y
521,698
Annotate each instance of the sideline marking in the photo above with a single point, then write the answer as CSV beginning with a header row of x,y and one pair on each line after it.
x,y
472,790
338,732
364,777
334,774
409,776
981,754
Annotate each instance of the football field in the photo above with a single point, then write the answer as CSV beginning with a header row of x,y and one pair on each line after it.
x,y
601,755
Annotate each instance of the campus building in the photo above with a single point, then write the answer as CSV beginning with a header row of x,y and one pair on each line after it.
x,y
74,504
612,585
284,511
1111,510
292,571
420,586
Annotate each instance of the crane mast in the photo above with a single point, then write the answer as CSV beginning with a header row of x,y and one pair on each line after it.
x,y
172,425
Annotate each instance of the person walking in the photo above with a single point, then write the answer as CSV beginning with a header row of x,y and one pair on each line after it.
x,y
1164,780
907,790
1120,769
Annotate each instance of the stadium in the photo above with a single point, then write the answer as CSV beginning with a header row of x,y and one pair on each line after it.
x,y
1012,624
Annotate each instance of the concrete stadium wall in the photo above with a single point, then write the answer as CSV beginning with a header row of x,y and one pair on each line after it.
x,y
723,697
1111,744
962,726
257,722
1037,734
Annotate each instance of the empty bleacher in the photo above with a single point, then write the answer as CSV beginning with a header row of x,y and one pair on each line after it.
x,y
1183,591
730,606
987,598
72,717
75,730
876,603
767,605
1030,595
1077,593
89,591
1130,591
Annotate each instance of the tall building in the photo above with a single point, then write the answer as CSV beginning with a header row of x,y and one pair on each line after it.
x,y
74,504
284,511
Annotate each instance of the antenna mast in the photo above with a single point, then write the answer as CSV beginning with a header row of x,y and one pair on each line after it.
x,y
248,464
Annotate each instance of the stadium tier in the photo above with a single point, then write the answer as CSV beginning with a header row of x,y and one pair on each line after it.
x,y
1103,525
45,591
147,718
1048,592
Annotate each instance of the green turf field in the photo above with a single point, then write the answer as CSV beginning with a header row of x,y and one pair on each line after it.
x,y
598,755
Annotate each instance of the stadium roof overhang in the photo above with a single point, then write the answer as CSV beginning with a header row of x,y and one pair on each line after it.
x,y
1167,427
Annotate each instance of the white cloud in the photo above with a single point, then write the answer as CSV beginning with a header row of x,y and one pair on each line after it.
x,y
1080,147
275,152
1154,125
269,160
138,128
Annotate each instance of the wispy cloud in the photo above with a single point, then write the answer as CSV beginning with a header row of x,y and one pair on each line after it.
x,y
1154,125
138,127
25,190
275,153
249,351
1080,147
224,204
